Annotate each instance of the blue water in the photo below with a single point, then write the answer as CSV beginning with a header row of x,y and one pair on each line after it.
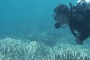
x,y
20,17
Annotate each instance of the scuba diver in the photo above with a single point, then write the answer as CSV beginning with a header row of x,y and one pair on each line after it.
x,y
76,17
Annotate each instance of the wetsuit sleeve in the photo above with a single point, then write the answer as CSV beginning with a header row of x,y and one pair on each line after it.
x,y
80,24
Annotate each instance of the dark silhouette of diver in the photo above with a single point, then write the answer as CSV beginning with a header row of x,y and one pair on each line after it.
x,y
77,17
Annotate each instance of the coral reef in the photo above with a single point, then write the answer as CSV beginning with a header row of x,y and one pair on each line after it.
x,y
12,49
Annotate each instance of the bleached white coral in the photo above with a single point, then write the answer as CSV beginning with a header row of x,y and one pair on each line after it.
x,y
71,55
12,49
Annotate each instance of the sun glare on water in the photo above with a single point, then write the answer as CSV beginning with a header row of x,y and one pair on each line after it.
x,y
85,1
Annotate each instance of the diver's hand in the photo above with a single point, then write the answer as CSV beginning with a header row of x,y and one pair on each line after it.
x,y
78,41
57,25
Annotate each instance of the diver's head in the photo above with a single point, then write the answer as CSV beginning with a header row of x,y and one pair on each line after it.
x,y
61,14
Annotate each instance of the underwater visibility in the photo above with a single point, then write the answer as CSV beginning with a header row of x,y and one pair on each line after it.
x,y
44,30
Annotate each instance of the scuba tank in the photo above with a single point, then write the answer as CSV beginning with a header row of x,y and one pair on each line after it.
x,y
83,2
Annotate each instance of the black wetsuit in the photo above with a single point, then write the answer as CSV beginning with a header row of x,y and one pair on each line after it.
x,y
80,22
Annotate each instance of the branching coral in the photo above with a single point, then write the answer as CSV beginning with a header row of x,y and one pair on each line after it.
x,y
12,49
70,55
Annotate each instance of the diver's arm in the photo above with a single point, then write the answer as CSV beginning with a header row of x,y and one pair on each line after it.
x,y
79,40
